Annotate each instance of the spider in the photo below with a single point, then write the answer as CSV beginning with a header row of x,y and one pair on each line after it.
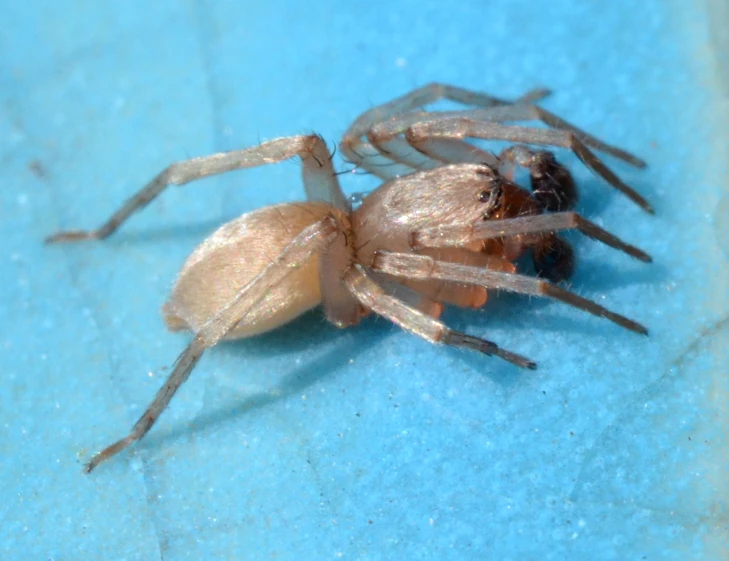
x,y
445,226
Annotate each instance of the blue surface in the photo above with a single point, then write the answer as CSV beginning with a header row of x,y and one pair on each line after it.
x,y
314,443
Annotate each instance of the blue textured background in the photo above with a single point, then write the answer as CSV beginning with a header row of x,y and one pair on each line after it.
x,y
314,443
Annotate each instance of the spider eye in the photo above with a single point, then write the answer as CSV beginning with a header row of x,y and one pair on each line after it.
x,y
493,198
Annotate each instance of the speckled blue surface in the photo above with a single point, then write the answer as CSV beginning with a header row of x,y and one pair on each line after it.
x,y
314,443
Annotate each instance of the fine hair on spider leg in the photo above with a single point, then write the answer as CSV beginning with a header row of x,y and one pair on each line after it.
x,y
371,295
462,127
312,240
422,267
406,110
447,226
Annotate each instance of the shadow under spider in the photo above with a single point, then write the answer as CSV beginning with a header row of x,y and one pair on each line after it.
x,y
311,331
306,332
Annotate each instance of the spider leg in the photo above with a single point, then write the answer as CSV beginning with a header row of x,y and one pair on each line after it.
x,y
462,127
320,181
397,149
426,268
382,135
517,111
387,140
522,226
311,240
388,156
369,156
451,293
373,297
430,93
454,151
415,299
529,112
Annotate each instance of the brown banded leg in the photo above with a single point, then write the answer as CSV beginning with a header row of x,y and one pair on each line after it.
x,y
463,127
411,266
373,297
320,181
310,241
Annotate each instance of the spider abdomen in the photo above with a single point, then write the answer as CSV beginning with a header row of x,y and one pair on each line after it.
x,y
235,255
